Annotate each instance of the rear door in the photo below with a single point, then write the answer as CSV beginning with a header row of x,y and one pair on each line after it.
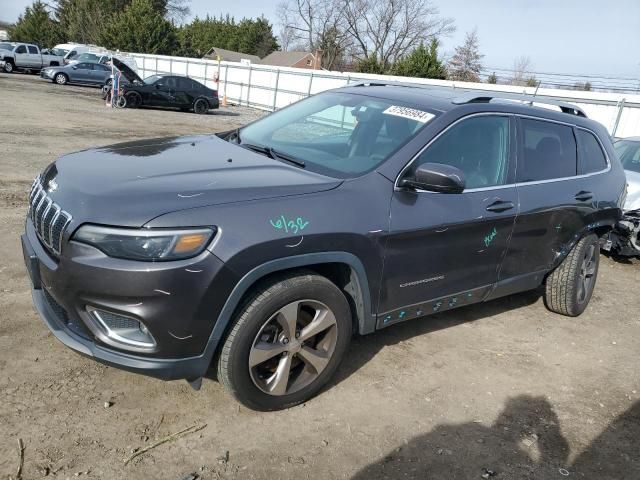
x,y
34,58
100,73
185,93
556,202
445,250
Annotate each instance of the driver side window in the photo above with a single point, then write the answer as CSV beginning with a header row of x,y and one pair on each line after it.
x,y
479,146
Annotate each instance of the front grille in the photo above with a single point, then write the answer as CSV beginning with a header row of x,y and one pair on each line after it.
x,y
49,220
77,327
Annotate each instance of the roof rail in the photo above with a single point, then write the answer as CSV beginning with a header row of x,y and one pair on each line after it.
x,y
526,99
387,83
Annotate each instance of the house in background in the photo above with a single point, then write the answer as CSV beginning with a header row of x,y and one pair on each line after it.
x,y
230,56
294,59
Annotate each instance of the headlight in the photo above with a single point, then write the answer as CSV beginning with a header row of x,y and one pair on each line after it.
x,y
148,245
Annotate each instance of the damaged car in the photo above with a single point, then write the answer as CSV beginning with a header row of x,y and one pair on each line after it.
x,y
623,239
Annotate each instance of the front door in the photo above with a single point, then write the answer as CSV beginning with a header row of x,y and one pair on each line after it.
x,y
445,250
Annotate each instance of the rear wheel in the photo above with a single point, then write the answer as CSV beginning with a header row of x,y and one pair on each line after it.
x,y
61,79
8,67
286,343
569,287
200,106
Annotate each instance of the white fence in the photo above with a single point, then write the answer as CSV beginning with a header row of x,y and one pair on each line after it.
x,y
270,88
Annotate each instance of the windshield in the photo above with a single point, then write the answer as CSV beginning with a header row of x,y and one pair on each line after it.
x,y
338,134
628,152
6,46
152,79
61,52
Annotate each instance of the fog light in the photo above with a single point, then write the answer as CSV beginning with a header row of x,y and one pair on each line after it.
x,y
120,330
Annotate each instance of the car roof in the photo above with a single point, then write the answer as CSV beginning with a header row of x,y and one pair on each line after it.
x,y
444,99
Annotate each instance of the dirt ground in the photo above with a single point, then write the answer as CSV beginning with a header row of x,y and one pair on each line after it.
x,y
503,390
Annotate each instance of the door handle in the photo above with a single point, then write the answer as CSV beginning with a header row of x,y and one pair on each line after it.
x,y
583,196
500,206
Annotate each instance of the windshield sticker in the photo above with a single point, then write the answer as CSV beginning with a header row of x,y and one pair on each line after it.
x,y
410,113
293,226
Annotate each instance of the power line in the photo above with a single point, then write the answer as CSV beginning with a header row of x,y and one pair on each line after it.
x,y
565,74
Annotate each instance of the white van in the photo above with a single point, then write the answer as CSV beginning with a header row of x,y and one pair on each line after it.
x,y
71,50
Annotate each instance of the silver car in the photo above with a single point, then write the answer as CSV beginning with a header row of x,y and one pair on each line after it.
x,y
88,73
623,240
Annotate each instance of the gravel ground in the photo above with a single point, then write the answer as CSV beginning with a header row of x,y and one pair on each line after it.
x,y
503,390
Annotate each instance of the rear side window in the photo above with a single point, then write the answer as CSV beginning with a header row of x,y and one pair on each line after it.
x,y
592,157
33,49
549,151
478,146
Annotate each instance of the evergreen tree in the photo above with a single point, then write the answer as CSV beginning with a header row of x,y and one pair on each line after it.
x,y
141,27
465,65
35,25
492,78
422,62
370,64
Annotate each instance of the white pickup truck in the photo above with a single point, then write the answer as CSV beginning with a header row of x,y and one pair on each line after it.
x,y
25,56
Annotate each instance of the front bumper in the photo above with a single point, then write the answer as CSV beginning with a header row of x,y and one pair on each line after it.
x,y
180,322
624,239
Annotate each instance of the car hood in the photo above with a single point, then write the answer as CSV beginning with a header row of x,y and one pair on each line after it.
x,y
633,191
131,183
129,74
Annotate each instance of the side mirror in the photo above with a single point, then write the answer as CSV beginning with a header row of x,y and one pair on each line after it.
x,y
159,85
436,177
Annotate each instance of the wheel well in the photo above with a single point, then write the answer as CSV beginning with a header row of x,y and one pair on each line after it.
x,y
340,274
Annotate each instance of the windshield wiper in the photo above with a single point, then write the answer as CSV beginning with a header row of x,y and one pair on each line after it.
x,y
269,151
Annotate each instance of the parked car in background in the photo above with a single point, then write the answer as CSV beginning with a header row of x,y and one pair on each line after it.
x,y
171,91
26,56
624,239
261,251
89,73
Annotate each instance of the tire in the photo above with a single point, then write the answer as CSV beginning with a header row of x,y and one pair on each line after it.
x,y
108,82
121,102
60,79
9,67
569,287
260,321
200,106
133,99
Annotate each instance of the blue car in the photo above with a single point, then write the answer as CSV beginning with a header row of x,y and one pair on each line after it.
x,y
88,73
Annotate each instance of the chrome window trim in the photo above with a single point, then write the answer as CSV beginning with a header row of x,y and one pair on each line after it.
x,y
507,185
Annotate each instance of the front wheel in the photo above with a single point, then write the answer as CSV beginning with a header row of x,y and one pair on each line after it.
x,y
569,287
286,343
60,79
8,67
134,100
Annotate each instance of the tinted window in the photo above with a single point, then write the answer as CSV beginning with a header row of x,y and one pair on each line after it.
x,y
592,157
185,83
21,49
629,154
339,134
170,82
549,151
33,49
478,146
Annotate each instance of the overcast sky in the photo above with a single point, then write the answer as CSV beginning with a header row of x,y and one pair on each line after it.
x,y
566,36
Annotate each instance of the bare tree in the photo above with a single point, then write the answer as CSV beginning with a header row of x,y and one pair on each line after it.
x,y
465,65
521,70
314,25
389,29
382,29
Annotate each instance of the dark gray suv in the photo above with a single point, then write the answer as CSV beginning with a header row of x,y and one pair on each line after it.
x,y
260,252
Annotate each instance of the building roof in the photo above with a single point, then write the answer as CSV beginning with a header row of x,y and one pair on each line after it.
x,y
230,55
284,59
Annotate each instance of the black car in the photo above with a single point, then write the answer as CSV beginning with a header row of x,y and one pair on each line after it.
x,y
263,250
172,91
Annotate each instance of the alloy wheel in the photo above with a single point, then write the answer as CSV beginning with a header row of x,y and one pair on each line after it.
x,y
8,67
587,273
61,79
293,347
200,107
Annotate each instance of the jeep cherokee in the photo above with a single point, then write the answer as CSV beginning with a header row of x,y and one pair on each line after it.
x,y
261,251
